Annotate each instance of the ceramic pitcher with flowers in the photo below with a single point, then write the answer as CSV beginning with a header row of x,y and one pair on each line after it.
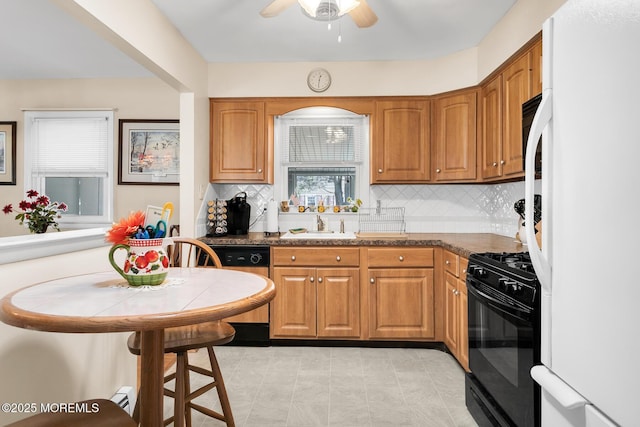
x,y
146,262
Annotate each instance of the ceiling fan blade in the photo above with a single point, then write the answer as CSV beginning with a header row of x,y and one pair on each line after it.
x,y
275,7
363,15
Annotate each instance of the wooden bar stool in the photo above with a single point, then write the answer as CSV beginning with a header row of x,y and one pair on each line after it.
x,y
109,414
191,252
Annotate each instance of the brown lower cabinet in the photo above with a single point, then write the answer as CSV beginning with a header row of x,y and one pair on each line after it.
x,y
400,293
370,293
314,301
401,303
456,335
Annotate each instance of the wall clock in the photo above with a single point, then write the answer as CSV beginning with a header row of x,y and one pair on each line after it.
x,y
319,80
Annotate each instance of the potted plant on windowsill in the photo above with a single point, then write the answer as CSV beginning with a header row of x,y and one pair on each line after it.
x,y
38,211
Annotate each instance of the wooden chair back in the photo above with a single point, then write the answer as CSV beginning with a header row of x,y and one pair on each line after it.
x,y
188,252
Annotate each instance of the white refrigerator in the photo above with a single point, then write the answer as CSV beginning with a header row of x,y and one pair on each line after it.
x,y
589,119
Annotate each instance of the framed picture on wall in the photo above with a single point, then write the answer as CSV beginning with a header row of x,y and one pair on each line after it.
x,y
7,153
149,152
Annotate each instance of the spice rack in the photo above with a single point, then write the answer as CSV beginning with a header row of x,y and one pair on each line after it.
x,y
216,218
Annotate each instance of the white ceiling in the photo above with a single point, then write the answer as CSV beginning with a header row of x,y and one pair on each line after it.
x,y
38,40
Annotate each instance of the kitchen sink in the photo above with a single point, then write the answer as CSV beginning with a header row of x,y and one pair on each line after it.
x,y
315,235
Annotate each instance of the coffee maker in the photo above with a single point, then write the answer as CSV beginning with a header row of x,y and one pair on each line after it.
x,y
238,212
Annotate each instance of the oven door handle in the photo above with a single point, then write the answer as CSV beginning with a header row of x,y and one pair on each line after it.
x,y
523,314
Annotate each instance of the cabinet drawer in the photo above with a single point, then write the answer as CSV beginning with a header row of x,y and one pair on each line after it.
x,y
451,263
322,256
400,257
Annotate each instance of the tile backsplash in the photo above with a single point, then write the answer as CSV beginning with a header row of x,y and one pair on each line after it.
x,y
478,208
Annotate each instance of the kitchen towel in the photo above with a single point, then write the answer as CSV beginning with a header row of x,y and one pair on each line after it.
x,y
272,217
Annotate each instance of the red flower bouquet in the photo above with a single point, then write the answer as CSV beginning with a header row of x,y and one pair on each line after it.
x,y
38,211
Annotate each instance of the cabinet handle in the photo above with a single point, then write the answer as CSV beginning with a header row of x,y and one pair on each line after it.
x,y
372,280
447,262
259,170
438,170
311,279
338,258
293,257
319,279
502,162
494,164
401,258
379,170
464,271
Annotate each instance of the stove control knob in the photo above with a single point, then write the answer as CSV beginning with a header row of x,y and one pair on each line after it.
x,y
506,285
477,271
517,290
503,284
255,258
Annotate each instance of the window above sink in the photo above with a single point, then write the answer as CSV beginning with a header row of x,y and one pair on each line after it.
x,y
321,153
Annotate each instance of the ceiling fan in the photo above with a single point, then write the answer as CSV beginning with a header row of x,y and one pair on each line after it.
x,y
327,10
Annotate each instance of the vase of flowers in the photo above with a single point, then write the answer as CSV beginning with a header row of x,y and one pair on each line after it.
x,y
146,262
38,211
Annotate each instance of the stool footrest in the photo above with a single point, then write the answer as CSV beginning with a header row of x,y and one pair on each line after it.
x,y
207,411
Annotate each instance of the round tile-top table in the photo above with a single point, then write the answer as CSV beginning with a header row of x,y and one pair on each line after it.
x,y
104,302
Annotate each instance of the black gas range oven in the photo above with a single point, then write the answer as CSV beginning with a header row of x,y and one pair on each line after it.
x,y
504,340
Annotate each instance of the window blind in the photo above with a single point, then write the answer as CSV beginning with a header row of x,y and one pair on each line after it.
x,y
322,141
71,145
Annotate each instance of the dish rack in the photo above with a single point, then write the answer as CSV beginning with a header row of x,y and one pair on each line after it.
x,y
381,220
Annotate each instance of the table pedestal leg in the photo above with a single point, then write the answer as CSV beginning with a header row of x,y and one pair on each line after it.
x,y
151,378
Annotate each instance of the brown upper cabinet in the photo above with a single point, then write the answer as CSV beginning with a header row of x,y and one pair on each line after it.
x,y
491,127
238,150
501,99
536,67
400,151
468,135
453,138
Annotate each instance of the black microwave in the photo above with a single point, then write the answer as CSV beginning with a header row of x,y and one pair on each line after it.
x,y
529,109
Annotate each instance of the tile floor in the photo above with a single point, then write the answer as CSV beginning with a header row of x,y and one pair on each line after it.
x,y
336,386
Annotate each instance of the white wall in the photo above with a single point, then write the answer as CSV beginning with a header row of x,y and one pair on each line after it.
x,y
348,78
50,367
521,23
455,71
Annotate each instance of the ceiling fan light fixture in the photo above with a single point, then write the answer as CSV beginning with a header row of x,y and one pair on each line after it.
x,y
310,6
328,9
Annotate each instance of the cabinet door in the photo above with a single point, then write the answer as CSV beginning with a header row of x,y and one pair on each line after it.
x,y
293,310
401,303
400,142
491,128
238,149
516,89
536,68
454,137
338,302
452,315
463,337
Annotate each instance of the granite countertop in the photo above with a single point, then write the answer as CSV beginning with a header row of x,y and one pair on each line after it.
x,y
463,244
